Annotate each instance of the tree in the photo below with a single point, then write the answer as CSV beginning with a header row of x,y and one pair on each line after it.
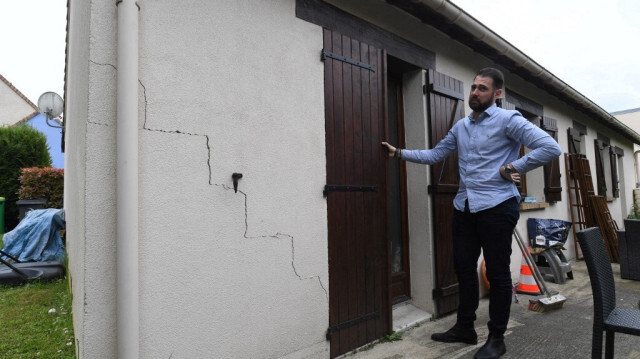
x,y
20,147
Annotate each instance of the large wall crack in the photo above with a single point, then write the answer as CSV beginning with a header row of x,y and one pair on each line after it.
x,y
227,187
277,236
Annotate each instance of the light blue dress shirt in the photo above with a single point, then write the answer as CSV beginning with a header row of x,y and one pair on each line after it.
x,y
484,145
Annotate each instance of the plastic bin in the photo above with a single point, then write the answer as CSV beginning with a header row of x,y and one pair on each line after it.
x,y
26,205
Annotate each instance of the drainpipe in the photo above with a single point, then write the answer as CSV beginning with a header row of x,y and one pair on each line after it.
x,y
127,315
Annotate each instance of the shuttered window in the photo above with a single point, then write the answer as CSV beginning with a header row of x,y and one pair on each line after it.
x,y
552,184
614,154
602,165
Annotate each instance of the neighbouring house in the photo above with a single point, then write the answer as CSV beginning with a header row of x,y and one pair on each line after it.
x,y
16,109
14,106
226,193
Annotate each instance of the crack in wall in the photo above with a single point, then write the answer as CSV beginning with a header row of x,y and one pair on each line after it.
x,y
226,187
144,127
278,236
103,64
115,69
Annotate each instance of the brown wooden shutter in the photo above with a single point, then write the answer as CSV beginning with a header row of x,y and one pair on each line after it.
x,y
602,183
522,186
614,153
445,107
356,191
574,140
552,181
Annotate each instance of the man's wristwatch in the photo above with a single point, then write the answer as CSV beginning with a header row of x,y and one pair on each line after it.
x,y
508,170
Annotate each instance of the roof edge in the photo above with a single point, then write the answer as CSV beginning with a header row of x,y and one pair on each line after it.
x,y
457,21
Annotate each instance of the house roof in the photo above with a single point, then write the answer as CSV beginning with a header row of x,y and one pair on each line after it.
x,y
626,111
462,27
14,89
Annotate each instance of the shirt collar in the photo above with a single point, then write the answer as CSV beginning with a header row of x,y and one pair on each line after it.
x,y
487,113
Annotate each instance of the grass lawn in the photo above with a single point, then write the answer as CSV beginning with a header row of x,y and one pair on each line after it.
x,y
35,321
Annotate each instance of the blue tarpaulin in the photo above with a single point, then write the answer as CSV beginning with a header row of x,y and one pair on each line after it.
x,y
37,237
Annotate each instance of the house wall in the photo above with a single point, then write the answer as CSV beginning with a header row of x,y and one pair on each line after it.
x,y
13,108
222,274
235,87
54,138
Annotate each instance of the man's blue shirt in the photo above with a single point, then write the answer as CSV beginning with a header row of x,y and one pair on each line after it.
x,y
484,145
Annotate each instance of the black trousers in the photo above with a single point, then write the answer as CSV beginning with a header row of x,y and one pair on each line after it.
x,y
491,231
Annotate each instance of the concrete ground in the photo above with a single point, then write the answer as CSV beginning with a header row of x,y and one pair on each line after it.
x,y
562,333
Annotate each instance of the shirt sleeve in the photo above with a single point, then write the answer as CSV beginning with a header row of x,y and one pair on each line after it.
x,y
543,147
444,148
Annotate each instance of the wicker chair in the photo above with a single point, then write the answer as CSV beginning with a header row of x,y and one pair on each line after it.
x,y
607,318
631,249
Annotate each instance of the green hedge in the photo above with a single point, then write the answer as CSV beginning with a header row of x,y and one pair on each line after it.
x,y
20,147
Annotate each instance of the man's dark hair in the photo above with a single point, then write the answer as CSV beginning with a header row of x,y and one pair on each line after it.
x,y
495,74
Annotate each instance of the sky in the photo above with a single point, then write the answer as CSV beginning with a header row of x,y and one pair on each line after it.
x,y
589,44
592,45
32,44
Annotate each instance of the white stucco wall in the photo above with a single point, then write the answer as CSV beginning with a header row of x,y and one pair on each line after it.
x,y
13,108
224,87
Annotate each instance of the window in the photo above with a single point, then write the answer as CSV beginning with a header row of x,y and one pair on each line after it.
x,y
607,171
552,184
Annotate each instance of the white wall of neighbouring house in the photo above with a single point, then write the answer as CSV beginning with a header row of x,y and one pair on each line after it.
x,y
224,87
13,107
631,118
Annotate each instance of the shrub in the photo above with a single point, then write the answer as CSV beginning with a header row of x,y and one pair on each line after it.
x,y
47,183
21,146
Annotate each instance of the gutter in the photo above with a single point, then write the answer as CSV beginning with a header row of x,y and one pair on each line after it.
x,y
127,283
457,18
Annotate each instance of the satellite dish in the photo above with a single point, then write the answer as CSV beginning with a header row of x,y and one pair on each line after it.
x,y
50,104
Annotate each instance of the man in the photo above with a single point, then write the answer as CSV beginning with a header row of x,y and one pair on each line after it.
x,y
487,203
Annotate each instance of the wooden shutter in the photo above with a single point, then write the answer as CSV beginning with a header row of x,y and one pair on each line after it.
x,y
575,137
614,153
602,183
356,191
552,182
445,107
522,186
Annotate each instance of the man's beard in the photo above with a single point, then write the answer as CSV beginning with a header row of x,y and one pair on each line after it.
x,y
480,107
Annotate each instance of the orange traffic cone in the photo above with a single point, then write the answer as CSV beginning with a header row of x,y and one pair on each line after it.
x,y
527,283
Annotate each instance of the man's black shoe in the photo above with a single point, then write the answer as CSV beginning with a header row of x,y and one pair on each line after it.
x,y
457,335
494,348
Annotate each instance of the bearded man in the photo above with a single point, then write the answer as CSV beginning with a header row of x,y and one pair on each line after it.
x,y
486,207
